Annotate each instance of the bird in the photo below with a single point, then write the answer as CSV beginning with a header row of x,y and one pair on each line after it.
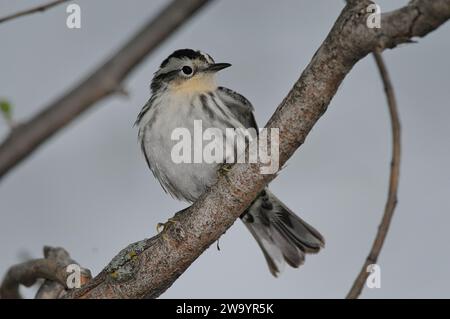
x,y
183,90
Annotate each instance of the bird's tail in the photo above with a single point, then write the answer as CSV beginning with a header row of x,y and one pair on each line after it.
x,y
282,235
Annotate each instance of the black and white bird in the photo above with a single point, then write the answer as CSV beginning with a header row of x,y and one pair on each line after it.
x,y
184,89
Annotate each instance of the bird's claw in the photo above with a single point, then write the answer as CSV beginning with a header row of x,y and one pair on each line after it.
x,y
224,169
160,227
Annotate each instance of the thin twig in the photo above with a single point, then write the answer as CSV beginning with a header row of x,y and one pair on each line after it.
x,y
40,8
391,202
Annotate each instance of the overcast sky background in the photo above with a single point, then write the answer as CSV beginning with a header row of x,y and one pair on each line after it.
x,y
89,190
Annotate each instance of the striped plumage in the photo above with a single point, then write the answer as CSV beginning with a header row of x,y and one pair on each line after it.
x,y
184,90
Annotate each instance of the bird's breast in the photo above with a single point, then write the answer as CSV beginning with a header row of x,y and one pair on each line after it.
x,y
175,122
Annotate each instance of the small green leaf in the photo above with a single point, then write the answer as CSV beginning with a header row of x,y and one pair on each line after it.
x,y
6,109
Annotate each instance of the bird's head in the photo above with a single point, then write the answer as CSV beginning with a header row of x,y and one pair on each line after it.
x,y
187,71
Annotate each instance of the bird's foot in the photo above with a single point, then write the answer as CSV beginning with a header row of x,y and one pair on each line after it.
x,y
161,227
224,169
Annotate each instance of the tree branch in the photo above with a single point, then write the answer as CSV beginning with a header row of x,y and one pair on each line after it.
x,y
40,8
147,268
52,268
105,80
391,202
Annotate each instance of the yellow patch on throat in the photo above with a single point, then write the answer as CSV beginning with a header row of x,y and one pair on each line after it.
x,y
196,84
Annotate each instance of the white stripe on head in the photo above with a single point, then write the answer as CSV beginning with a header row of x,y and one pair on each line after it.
x,y
208,58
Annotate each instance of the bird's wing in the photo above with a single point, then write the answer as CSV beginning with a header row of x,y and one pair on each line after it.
x,y
241,108
144,110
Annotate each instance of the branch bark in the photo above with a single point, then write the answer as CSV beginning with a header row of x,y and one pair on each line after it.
x,y
391,202
52,268
40,8
147,268
105,80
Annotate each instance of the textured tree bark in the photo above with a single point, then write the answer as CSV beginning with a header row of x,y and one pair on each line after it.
x,y
52,268
147,268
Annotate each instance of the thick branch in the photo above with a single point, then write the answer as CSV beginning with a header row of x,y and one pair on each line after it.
x,y
149,267
25,138
391,202
40,8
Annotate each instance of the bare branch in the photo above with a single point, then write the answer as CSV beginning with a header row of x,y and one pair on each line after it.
x,y
149,267
40,8
53,289
391,202
52,268
105,80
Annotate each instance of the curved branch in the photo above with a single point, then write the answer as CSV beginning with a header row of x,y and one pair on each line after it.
x,y
52,268
105,80
40,8
391,202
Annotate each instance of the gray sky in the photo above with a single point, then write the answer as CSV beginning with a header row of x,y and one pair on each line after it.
x,y
88,189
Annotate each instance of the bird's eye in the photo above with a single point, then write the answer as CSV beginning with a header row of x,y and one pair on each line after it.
x,y
187,70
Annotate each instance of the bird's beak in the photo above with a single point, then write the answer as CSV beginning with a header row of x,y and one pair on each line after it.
x,y
217,67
